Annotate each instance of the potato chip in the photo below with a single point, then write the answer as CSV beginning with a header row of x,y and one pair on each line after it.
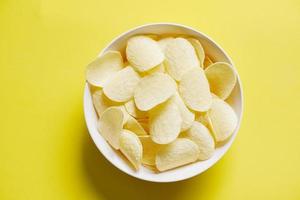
x,y
180,57
100,101
221,78
104,67
153,90
143,53
134,111
180,152
194,90
223,119
150,149
131,147
186,115
207,62
163,43
199,134
165,122
199,50
121,86
110,125
134,126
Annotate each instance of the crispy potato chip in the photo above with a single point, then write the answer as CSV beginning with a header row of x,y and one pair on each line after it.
x,y
101,103
165,122
163,43
143,53
110,125
134,126
199,134
199,50
186,115
121,86
131,147
180,152
207,62
153,90
103,68
194,90
134,111
221,78
180,57
223,119
150,149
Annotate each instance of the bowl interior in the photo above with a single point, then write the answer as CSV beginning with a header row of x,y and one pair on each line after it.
x,y
216,53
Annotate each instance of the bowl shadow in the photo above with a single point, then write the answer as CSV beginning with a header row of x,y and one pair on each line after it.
x,y
108,182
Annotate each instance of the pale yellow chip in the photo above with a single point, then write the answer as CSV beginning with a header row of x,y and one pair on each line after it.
x,y
101,103
207,62
186,115
131,147
194,90
165,122
223,120
121,86
143,53
180,57
133,125
163,43
150,149
180,152
134,111
110,125
199,134
153,90
199,50
103,68
221,78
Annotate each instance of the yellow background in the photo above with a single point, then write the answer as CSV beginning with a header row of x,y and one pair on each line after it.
x,y
45,150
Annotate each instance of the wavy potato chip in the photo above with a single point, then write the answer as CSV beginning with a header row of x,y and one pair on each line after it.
x,y
134,111
180,152
180,57
163,43
199,50
121,86
221,78
194,90
153,90
150,149
110,125
186,115
133,125
104,67
207,62
199,134
143,53
223,119
131,147
165,122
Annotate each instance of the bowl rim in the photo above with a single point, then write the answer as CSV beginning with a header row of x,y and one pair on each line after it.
x,y
180,178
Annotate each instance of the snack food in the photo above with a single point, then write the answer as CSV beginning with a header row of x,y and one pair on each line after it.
x,y
165,107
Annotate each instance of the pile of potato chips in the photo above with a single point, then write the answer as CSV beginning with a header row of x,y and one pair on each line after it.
x,y
162,104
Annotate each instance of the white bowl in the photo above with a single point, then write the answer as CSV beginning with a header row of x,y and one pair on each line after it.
x,y
184,172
